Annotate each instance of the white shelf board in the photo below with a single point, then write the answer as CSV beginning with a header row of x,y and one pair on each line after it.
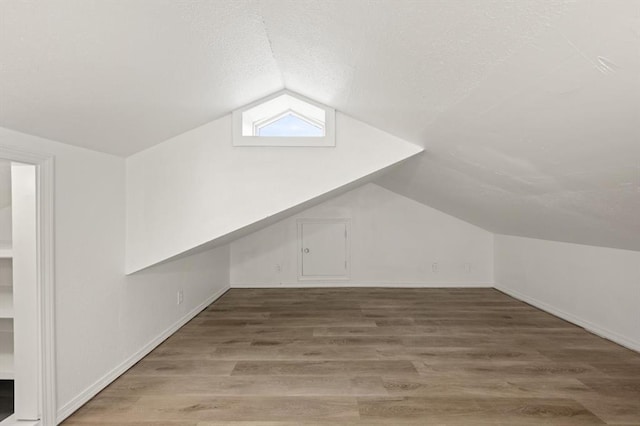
x,y
6,251
12,421
6,302
6,355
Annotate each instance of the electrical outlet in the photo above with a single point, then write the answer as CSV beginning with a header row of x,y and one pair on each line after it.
x,y
467,267
278,268
180,297
434,267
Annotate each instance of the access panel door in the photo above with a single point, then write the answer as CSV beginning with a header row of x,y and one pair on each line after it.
x,y
324,249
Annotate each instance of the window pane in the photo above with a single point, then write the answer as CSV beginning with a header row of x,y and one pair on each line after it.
x,y
290,126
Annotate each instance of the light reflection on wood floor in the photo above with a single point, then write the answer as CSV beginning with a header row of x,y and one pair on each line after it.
x,y
369,356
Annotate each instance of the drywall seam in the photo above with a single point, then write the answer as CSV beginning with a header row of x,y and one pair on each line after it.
x,y
587,325
91,391
385,284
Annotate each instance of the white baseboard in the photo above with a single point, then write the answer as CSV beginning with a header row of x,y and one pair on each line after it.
x,y
77,402
587,325
381,284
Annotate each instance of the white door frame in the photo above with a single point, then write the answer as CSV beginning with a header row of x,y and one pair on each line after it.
x,y
347,275
45,281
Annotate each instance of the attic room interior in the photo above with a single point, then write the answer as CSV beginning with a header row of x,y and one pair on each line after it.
x,y
314,212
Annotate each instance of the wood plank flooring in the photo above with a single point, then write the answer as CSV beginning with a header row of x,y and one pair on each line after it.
x,y
374,357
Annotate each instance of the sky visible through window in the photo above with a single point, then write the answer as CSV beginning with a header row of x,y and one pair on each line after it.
x,y
290,126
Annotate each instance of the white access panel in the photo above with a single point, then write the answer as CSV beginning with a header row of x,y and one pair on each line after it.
x,y
324,249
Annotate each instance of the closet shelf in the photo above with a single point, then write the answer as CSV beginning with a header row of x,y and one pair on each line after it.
x,y
6,302
6,252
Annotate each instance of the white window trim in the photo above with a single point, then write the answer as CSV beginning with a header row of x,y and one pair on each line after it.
x,y
328,140
260,124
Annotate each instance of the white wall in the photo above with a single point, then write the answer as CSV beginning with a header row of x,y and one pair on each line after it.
x,y
394,241
197,187
104,320
597,288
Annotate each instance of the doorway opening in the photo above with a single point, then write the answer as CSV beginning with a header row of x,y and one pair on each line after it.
x,y
27,392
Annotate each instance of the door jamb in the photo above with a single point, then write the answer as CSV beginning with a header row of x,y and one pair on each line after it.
x,y
45,191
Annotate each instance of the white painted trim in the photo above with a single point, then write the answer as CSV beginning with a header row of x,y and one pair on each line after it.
x,y
382,284
328,140
587,325
45,195
91,391
26,292
46,251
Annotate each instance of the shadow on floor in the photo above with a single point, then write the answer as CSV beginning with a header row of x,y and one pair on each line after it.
x,y
6,399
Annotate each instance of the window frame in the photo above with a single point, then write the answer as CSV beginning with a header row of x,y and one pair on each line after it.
x,y
328,140
257,125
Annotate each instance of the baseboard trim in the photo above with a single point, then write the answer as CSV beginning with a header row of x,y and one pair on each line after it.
x,y
587,325
381,284
77,402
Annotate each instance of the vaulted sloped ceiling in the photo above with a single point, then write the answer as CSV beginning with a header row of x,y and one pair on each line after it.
x,y
547,144
529,110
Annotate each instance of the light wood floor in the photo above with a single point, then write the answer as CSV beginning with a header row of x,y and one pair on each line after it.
x,y
374,357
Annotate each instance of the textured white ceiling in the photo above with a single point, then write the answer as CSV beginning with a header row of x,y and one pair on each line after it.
x,y
547,145
529,110
120,76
